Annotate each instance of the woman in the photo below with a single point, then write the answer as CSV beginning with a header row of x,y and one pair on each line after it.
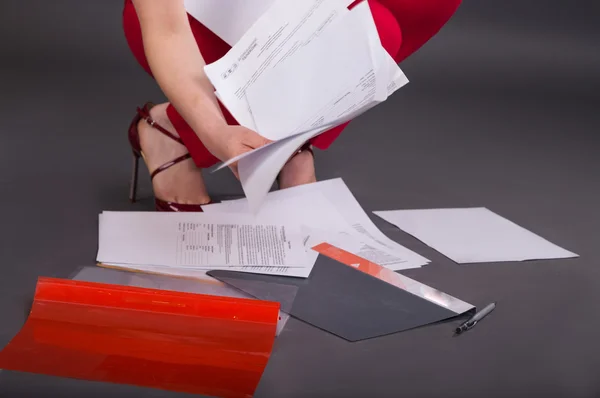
x,y
193,131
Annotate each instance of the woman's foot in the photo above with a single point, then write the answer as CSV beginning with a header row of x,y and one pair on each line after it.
x,y
182,183
299,170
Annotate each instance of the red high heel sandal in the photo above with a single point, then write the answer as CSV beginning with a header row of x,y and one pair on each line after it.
x,y
134,140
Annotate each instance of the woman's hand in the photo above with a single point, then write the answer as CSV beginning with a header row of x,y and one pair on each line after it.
x,y
226,142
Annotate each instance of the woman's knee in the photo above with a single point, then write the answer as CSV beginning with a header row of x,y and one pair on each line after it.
x,y
419,20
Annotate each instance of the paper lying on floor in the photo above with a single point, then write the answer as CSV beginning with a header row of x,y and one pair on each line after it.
x,y
190,243
200,273
473,235
302,69
196,240
327,211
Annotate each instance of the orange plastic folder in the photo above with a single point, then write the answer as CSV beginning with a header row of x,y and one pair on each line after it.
x,y
217,346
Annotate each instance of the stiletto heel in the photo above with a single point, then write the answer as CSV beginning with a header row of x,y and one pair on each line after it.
x,y
134,178
134,140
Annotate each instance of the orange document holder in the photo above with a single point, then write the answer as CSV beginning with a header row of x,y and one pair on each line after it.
x,y
193,343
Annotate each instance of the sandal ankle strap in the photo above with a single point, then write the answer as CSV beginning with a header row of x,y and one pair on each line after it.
x,y
145,115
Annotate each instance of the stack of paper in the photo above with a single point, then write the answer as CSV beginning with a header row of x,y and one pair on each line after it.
x,y
277,240
189,244
303,68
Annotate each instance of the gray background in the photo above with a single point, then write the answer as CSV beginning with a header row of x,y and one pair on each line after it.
x,y
501,112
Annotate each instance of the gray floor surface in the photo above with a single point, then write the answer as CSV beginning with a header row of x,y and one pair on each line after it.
x,y
501,112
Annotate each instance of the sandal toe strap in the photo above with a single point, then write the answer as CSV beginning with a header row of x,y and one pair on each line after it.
x,y
144,114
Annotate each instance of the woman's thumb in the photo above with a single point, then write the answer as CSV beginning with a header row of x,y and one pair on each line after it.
x,y
255,140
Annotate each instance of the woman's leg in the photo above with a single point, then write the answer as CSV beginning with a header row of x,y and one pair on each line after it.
x,y
182,183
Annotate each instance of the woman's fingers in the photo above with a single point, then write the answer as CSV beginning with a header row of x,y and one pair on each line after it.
x,y
234,169
244,140
255,140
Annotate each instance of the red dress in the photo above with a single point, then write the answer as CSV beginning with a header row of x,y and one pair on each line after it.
x,y
403,26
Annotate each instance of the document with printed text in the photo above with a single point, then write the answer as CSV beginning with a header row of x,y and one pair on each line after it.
x,y
327,211
196,241
285,28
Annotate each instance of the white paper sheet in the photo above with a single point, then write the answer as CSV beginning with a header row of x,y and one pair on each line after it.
x,y
473,235
329,209
259,170
304,92
358,77
310,209
336,191
320,222
385,74
196,240
286,27
201,273
305,211
365,248
228,19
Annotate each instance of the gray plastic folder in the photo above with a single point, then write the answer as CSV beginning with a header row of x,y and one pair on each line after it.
x,y
355,302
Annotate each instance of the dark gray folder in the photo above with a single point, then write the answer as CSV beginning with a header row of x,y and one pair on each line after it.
x,y
349,303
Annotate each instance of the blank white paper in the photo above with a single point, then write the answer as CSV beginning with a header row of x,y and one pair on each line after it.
x,y
228,19
474,235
